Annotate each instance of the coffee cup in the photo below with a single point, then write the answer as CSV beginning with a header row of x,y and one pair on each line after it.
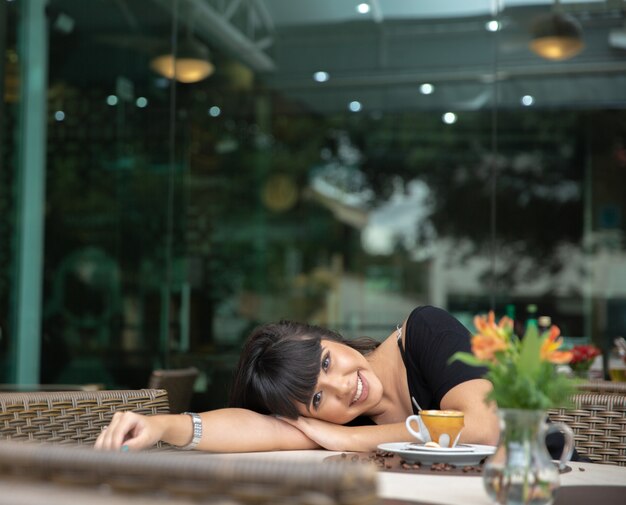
x,y
441,426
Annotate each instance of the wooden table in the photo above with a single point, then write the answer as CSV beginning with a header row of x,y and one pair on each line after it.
x,y
442,489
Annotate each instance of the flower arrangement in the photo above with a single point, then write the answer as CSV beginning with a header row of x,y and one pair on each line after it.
x,y
522,371
583,356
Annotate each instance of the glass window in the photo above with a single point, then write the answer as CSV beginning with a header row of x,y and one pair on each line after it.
x,y
328,165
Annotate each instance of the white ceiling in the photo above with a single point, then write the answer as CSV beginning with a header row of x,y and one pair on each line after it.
x,y
381,65
309,12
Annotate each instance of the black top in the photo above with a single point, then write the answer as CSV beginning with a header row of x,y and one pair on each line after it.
x,y
432,337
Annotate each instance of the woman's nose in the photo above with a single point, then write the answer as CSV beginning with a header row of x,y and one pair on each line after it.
x,y
342,387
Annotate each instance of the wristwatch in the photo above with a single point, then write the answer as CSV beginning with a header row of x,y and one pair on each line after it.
x,y
197,431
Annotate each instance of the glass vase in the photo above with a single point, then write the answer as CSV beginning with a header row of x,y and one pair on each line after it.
x,y
521,470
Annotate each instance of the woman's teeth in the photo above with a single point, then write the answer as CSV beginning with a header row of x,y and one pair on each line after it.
x,y
359,389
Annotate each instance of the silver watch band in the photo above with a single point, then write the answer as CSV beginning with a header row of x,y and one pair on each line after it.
x,y
197,431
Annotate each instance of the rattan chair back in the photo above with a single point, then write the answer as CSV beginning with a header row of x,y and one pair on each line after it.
x,y
71,416
603,387
599,425
179,385
184,477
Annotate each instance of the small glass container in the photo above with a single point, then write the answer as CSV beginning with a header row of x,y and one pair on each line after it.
x,y
617,365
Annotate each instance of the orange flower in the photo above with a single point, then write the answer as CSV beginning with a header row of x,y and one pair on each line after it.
x,y
487,326
491,337
485,347
550,346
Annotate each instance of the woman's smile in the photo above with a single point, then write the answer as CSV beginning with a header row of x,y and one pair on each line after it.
x,y
362,390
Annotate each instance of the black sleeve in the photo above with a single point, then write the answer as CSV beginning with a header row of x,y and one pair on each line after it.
x,y
435,337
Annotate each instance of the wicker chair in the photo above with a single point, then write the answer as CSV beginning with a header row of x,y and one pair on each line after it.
x,y
63,474
603,387
71,416
599,425
179,386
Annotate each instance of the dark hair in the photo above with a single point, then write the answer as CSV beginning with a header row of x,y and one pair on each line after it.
x,y
279,366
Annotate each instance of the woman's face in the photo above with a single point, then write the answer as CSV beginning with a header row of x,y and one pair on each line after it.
x,y
346,388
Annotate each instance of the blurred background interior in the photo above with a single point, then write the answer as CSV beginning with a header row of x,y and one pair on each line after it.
x,y
330,161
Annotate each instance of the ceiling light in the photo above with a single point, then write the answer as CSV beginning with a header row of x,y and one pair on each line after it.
x,y
449,118
527,100
556,36
321,76
492,26
191,63
426,88
363,8
355,106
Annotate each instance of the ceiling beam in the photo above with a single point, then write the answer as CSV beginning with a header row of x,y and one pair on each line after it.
x,y
218,29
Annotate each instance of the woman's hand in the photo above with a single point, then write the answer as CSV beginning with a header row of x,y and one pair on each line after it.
x,y
336,437
223,430
330,436
130,430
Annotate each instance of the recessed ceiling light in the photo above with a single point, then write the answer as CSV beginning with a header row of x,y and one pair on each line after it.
x,y
363,8
59,115
492,26
427,88
527,100
449,118
321,76
141,102
215,111
112,100
355,106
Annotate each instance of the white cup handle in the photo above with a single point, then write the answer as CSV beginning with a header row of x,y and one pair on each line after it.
x,y
422,435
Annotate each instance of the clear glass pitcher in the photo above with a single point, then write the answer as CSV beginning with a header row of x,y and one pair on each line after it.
x,y
521,471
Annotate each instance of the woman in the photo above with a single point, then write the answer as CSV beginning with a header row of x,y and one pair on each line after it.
x,y
303,387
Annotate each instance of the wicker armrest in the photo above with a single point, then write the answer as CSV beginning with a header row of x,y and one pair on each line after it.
x,y
71,416
174,476
599,425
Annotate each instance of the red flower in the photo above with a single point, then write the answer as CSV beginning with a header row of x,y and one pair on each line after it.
x,y
584,353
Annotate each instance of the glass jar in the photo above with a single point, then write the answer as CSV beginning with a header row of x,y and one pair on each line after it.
x,y
521,471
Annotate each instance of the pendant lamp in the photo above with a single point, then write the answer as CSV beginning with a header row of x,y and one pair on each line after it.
x,y
556,35
190,64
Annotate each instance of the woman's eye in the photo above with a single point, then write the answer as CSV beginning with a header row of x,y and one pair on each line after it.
x,y
326,362
317,398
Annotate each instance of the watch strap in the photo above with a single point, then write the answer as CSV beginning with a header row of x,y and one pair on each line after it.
x,y
197,431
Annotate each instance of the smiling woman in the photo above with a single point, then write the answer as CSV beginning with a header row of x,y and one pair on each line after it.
x,y
299,386
280,365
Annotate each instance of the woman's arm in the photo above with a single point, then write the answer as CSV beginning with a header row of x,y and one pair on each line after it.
x,y
336,437
482,425
223,430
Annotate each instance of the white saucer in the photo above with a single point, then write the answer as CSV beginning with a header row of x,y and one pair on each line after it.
x,y
458,449
411,452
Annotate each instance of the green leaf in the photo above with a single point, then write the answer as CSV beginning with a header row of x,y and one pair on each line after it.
x,y
467,358
529,359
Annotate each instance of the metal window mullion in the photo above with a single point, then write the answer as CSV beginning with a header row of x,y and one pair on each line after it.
x,y
31,148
